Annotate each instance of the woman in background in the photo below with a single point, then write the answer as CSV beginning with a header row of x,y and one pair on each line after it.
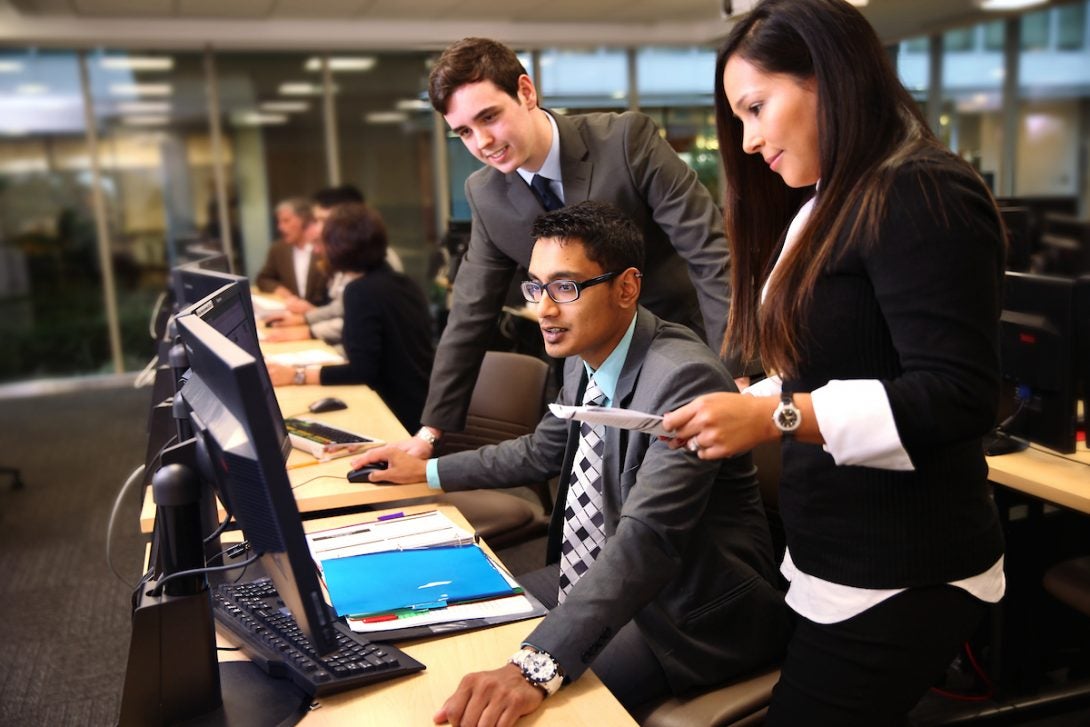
x,y
387,327
876,313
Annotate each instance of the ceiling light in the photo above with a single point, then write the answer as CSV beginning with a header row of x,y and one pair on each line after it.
x,y
146,120
253,118
412,104
1000,6
141,89
293,88
284,106
31,89
144,107
386,117
343,63
137,63
11,67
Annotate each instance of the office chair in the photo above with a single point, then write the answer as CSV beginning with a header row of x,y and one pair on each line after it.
x,y
1069,583
743,702
508,401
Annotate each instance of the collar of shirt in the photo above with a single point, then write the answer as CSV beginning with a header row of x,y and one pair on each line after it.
x,y
551,168
609,372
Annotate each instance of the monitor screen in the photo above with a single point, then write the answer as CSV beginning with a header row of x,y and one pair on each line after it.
x,y
229,311
245,447
1037,350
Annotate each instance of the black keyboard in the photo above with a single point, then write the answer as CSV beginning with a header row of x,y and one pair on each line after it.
x,y
322,433
257,620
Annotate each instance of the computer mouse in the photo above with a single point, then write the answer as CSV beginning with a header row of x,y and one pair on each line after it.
x,y
362,474
329,403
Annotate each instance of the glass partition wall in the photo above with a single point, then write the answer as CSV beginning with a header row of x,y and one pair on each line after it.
x,y
199,146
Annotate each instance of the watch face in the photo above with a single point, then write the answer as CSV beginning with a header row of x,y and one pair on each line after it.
x,y
538,667
787,417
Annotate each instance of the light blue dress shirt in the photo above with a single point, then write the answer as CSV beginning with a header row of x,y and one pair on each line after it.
x,y
607,376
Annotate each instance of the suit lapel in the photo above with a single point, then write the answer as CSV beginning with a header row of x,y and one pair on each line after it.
x,y
573,162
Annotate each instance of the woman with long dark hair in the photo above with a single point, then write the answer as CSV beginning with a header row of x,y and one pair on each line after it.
x,y
867,261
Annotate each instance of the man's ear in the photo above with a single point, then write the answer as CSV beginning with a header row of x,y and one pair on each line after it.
x,y
526,91
629,284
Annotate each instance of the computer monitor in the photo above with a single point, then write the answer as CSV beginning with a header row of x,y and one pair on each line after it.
x,y
229,309
228,399
1037,350
192,282
1019,238
1065,245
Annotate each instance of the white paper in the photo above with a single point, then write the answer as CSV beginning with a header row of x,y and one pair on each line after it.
x,y
264,305
307,357
612,417
424,530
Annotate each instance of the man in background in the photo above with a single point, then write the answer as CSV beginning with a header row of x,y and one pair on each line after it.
x,y
292,270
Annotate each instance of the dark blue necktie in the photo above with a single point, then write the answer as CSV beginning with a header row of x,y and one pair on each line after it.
x,y
545,194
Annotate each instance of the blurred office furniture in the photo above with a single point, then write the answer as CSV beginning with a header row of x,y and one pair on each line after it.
x,y
1065,245
1069,583
1019,223
16,478
508,401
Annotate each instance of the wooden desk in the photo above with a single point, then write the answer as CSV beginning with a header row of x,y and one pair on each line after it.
x,y
412,700
1062,479
322,485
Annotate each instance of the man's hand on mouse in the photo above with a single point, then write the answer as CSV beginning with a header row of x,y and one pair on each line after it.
x,y
403,468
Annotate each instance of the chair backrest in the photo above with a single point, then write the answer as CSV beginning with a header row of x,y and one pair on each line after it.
x,y
508,401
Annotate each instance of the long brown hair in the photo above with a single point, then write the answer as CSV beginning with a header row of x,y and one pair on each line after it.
x,y
868,126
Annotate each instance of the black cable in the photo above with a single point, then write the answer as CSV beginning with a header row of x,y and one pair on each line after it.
x,y
219,530
318,477
199,571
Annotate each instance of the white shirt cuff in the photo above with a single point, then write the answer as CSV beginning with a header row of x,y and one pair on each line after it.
x,y
765,387
857,424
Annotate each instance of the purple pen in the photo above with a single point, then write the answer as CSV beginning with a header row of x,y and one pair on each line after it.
x,y
391,516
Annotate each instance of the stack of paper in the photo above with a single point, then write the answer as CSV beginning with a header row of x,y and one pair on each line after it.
x,y
307,357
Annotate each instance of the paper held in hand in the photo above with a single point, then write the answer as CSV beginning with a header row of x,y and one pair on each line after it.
x,y
612,417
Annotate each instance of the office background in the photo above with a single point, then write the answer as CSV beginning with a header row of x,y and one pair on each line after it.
x,y
128,130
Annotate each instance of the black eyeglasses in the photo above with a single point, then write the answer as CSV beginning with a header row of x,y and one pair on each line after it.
x,y
561,291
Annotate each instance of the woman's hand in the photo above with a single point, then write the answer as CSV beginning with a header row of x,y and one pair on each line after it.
x,y
715,426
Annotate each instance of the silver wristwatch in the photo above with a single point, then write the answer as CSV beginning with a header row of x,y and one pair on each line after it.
x,y
300,376
427,435
539,669
787,416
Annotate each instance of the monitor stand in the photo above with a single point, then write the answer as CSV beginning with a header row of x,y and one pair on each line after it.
x,y
999,442
173,674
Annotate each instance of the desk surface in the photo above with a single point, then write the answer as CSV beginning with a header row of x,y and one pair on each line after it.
x,y
412,700
1063,479
322,485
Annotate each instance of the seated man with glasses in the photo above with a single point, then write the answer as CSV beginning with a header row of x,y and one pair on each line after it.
x,y
661,562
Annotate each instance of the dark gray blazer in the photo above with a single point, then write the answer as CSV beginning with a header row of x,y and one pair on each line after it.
x,y
279,269
688,553
616,158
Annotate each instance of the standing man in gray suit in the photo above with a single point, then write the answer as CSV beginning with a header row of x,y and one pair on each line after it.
x,y
661,561
537,161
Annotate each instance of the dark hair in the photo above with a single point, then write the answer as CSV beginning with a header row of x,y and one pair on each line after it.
x,y
355,238
330,197
609,237
472,60
868,126
299,206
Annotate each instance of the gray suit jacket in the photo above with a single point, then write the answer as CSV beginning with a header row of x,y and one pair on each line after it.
x,y
688,553
279,269
616,158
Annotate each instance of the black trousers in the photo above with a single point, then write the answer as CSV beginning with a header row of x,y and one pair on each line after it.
x,y
873,668
627,666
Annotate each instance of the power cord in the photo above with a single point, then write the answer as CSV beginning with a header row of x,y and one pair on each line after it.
x,y
136,473
200,571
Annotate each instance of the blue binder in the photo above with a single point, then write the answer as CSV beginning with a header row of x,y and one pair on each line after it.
x,y
412,579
